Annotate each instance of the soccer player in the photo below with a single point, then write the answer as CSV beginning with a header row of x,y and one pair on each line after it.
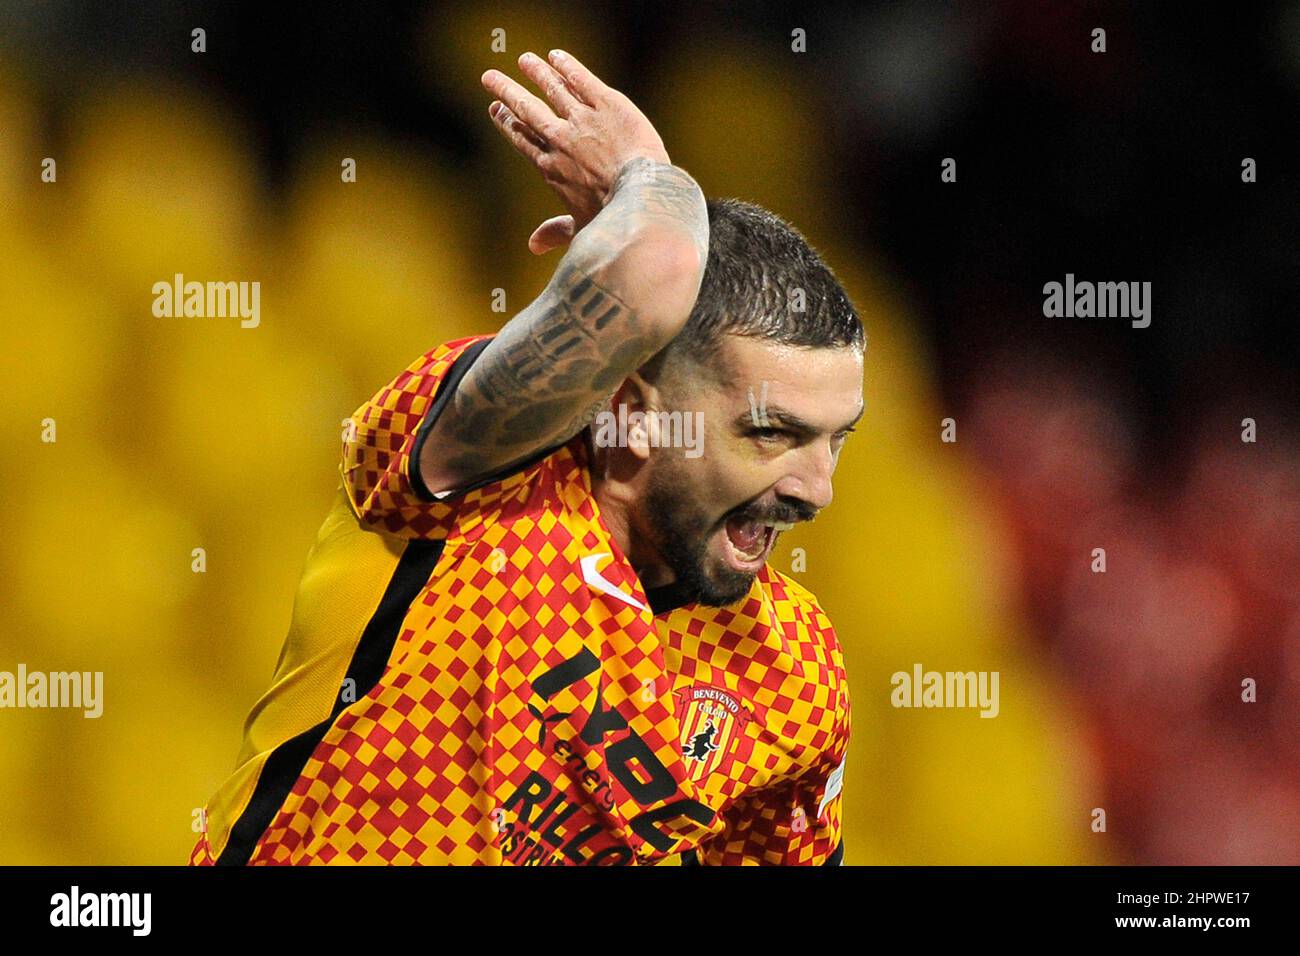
x,y
538,626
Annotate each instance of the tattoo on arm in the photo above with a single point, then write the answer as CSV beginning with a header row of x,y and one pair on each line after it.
x,y
666,192
577,340
528,386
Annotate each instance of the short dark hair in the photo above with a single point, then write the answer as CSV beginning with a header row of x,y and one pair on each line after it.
x,y
756,262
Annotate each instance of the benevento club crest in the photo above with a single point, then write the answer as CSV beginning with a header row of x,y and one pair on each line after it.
x,y
713,729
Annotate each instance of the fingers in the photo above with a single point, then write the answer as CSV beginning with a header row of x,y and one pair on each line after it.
x,y
578,78
551,83
519,135
526,107
555,232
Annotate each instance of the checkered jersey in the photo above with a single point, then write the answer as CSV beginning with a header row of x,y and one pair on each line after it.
x,y
479,677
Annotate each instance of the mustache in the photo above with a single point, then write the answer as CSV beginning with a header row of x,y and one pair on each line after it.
x,y
786,512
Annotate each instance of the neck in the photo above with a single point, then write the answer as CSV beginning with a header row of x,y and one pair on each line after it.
x,y
616,497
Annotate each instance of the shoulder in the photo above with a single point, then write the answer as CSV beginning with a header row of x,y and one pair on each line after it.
x,y
807,627
794,600
385,439
431,371
442,356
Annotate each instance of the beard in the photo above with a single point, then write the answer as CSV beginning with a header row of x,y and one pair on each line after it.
x,y
682,539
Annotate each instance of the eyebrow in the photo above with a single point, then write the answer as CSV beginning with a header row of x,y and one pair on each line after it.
x,y
777,414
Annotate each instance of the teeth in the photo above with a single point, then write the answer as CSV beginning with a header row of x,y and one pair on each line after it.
x,y
745,555
780,525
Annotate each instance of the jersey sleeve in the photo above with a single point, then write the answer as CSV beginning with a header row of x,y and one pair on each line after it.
x,y
382,441
797,823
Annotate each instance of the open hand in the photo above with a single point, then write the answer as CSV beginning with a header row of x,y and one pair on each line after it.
x,y
578,138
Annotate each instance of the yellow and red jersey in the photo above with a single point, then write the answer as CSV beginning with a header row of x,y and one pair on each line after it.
x,y
479,677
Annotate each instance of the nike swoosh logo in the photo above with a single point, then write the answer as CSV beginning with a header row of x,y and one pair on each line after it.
x,y
597,581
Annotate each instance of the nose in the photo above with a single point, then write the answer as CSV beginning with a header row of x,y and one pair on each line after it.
x,y
810,478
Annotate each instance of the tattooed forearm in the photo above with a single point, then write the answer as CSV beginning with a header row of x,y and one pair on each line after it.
x,y
532,345
545,364
668,193
605,312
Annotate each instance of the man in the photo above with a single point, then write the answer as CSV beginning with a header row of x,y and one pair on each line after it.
x,y
522,639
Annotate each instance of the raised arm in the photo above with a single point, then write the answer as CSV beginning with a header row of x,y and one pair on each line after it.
x,y
621,292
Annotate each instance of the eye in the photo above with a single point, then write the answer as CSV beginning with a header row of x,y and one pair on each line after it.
x,y
767,435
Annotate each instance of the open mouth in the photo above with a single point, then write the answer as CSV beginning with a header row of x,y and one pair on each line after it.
x,y
749,541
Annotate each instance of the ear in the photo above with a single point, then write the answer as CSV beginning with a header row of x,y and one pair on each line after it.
x,y
639,397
